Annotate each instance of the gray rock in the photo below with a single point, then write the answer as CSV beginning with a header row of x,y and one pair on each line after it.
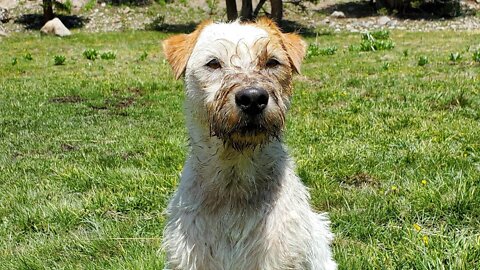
x,y
3,33
4,15
383,20
55,27
392,23
8,4
76,5
337,14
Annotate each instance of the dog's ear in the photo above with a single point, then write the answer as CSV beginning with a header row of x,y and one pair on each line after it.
x,y
296,49
292,43
178,48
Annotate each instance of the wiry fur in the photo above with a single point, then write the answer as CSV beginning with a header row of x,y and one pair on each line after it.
x,y
239,204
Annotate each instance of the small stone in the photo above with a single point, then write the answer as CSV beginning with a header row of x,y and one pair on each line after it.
x,y
383,20
4,15
103,4
392,23
3,33
55,27
337,14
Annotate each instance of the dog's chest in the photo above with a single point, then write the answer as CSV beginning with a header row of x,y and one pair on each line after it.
x,y
241,239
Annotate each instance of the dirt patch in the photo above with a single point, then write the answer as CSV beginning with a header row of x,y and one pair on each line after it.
x,y
458,101
98,107
66,147
116,105
124,103
360,180
67,99
136,91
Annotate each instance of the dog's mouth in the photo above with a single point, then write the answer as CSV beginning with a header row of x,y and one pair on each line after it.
x,y
252,126
248,134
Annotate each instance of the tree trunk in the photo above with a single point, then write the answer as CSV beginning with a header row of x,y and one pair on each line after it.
x,y
47,10
232,13
259,6
247,10
277,10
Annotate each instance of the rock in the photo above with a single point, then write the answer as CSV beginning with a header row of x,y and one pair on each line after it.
x,y
3,33
55,27
337,14
392,23
383,20
8,4
103,4
4,15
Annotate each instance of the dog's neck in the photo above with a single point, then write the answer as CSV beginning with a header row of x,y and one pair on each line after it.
x,y
224,174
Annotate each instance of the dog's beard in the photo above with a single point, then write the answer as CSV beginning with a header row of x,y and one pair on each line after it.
x,y
241,132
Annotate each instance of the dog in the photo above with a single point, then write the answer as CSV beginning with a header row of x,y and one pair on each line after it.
x,y
239,204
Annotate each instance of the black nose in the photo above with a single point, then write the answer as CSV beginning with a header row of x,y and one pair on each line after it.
x,y
252,100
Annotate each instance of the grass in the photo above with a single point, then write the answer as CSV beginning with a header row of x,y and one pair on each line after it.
x,y
90,151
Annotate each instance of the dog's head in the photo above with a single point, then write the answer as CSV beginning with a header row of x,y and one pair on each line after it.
x,y
238,77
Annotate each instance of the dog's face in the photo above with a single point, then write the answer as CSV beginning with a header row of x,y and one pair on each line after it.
x,y
238,78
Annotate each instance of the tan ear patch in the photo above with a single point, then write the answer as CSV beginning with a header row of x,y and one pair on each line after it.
x,y
178,48
292,43
296,49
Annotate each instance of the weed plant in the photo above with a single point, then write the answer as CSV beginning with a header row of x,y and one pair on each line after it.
x,y
422,60
476,56
59,60
28,57
455,57
90,54
108,56
315,50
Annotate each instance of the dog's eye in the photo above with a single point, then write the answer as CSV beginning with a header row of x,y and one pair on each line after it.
x,y
214,64
272,63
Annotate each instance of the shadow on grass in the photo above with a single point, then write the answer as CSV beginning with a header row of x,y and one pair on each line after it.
x,y
137,3
286,25
172,27
427,11
35,21
351,9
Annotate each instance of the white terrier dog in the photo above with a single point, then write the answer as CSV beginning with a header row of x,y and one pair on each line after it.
x,y
239,204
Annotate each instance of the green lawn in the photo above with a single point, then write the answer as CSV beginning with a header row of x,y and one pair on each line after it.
x,y
90,151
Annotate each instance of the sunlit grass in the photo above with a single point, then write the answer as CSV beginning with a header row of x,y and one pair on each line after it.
x,y
90,151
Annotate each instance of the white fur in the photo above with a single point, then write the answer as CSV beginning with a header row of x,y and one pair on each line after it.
x,y
243,210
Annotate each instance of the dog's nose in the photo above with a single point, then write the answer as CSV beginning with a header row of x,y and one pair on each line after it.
x,y
252,100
